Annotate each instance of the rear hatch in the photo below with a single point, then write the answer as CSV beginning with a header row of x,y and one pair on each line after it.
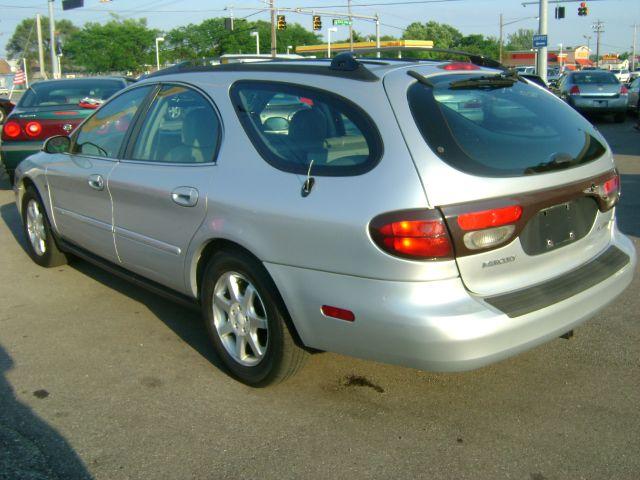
x,y
519,176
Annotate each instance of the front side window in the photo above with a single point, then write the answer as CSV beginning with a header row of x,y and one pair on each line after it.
x,y
499,127
179,127
102,134
297,129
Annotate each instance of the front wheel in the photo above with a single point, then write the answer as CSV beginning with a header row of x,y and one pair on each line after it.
x,y
247,321
41,245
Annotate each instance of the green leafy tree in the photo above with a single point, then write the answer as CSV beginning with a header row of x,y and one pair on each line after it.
x,y
116,46
442,35
520,40
24,41
476,43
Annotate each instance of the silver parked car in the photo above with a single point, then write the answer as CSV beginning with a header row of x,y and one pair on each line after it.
x,y
595,91
634,95
435,214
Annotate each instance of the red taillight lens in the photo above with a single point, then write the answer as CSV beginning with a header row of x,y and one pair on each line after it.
x,y
414,234
611,186
33,129
624,90
575,90
339,313
459,66
490,218
12,129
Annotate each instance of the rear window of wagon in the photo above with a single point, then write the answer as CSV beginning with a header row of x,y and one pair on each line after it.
x,y
500,129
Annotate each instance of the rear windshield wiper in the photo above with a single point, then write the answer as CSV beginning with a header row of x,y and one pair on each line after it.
x,y
486,81
558,162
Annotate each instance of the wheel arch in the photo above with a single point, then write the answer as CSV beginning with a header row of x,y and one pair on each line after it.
x,y
214,245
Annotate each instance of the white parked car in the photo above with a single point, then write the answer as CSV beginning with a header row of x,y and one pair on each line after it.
x,y
623,75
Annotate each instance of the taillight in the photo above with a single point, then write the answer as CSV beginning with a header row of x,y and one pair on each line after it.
x,y
459,66
575,90
624,90
413,234
33,129
488,228
610,192
11,129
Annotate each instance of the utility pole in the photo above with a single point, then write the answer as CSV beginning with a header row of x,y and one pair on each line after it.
x,y
52,42
541,63
377,34
351,26
588,39
598,27
633,48
43,73
501,38
273,30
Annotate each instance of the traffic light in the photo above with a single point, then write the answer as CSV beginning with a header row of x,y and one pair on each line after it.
x,y
282,22
583,10
317,22
559,12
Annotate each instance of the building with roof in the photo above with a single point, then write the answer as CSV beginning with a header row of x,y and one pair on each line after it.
x,y
571,58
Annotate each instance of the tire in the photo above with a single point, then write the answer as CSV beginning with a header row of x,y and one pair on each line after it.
x,y
249,312
41,245
619,117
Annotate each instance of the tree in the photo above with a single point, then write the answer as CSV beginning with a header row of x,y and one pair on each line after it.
x,y
520,40
476,43
116,46
24,41
442,35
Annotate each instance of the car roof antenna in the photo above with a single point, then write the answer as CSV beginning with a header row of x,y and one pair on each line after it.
x,y
308,183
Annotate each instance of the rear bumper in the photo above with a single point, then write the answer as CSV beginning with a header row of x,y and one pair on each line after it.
x,y
13,153
437,326
600,105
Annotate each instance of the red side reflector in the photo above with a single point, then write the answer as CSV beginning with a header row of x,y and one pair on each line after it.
x,y
12,129
33,129
339,313
490,218
459,66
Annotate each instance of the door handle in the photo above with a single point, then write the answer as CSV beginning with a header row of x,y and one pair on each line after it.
x,y
185,196
96,182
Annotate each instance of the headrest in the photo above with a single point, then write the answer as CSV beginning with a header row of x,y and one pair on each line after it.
x,y
200,128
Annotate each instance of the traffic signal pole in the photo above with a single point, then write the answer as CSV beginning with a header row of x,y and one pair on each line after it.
x,y
274,43
541,63
52,42
43,73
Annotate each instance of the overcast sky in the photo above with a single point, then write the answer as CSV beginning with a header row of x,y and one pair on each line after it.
x,y
469,16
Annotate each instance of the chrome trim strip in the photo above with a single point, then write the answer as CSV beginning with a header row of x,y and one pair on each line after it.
x,y
151,242
24,146
82,218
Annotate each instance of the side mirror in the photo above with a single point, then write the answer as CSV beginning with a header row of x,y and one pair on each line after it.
x,y
57,144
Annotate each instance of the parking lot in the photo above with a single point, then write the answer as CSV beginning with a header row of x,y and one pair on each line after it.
x,y
100,379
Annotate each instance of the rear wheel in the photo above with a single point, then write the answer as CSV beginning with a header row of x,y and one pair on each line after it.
x,y
247,321
41,245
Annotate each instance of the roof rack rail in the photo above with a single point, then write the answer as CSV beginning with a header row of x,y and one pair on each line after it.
x,y
360,72
474,58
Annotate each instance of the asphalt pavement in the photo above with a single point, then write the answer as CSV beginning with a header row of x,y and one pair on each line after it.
x,y
100,379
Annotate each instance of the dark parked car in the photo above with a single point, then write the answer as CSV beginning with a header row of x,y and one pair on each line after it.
x,y
6,106
53,107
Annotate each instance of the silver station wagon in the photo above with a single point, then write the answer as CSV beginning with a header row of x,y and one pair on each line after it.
x,y
441,215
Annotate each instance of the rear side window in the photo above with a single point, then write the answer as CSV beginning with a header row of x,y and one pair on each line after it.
x,y
297,128
601,78
69,92
500,128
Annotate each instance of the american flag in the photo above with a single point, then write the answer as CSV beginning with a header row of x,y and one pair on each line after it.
x,y
19,78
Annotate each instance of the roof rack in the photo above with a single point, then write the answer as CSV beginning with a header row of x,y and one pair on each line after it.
x,y
474,58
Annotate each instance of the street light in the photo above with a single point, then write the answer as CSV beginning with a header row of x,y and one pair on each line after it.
x,y
504,24
329,30
257,35
158,40
560,57
289,47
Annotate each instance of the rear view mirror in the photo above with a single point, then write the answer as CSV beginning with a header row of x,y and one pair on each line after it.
x,y
57,144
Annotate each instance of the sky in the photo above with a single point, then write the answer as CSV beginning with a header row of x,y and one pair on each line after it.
x,y
469,16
